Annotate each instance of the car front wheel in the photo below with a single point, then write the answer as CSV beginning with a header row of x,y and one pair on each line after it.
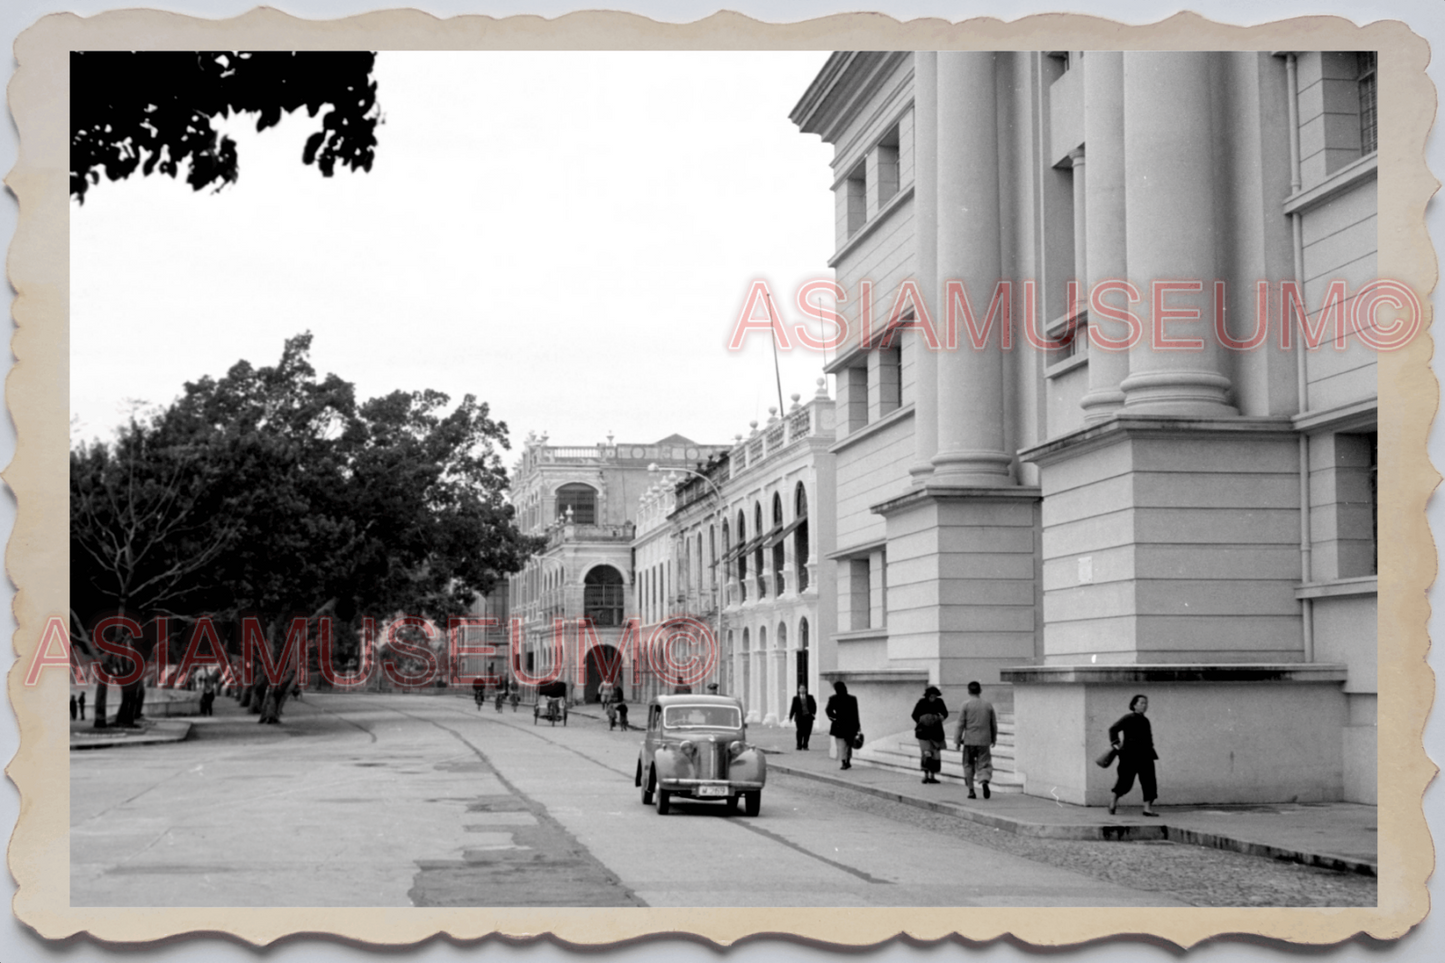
x,y
647,785
664,801
752,802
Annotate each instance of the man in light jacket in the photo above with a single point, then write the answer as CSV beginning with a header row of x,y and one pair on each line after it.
x,y
977,734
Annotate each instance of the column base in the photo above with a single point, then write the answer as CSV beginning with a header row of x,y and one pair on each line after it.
x,y
960,466
1177,393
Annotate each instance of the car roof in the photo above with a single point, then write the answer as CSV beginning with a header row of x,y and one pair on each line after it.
x,y
696,700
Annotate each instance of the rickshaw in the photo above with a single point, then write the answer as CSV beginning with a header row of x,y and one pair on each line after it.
x,y
551,703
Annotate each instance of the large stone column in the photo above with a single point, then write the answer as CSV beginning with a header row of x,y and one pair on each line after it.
x,y
1104,218
1170,232
925,226
970,381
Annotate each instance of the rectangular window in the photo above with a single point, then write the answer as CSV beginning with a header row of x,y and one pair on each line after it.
x,y
857,398
856,197
890,379
886,162
860,594
1369,119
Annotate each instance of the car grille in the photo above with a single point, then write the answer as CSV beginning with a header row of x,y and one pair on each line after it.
x,y
712,760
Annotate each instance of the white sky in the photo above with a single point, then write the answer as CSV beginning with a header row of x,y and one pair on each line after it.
x,y
569,236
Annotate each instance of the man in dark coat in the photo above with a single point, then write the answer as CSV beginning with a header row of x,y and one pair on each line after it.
x,y
843,710
1133,737
803,712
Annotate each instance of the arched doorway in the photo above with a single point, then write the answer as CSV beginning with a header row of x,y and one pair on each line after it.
x,y
603,594
596,657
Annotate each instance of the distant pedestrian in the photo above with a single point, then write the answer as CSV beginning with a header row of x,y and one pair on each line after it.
x,y
977,735
842,709
479,691
1133,738
81,703
712,688
72,708
621,705
928,716
208,696
802,714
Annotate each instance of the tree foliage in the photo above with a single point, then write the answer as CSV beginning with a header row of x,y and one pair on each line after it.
x,y
272,493
152,111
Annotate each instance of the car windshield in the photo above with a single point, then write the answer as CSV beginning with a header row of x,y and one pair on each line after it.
x,y
706,717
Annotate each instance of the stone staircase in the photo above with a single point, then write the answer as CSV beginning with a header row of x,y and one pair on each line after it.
x,y
899,751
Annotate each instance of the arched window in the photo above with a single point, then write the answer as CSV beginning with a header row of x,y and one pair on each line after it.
x,y
758,552
602,596
782,642
803,633
800,537
742,557
727,545
779,547
581,499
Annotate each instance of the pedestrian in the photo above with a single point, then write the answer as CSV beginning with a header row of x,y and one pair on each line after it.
x,y
621,705
81,704
928,715
479,691
977,735
712,688
208,696
802,713
842,709
1133,739
72,707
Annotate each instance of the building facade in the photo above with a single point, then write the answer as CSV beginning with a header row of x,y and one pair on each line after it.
x,y
584,500
1071,461
750,534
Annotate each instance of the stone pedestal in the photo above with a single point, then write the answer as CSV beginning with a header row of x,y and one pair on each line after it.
x,y
1237,733
1171,539
962,582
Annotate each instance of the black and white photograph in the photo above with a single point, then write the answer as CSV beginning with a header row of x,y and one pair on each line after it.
x,y
739,479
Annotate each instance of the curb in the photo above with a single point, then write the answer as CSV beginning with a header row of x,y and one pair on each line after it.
x,y
173,732
1104,832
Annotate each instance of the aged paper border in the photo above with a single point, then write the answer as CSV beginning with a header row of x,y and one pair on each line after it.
x,y
37,392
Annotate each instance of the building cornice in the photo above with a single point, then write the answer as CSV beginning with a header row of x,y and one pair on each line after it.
x,y
845,80
934,492
1184,672
1122,427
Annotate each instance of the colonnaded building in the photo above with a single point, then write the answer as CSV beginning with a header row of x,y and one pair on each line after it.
x,y
639,536
1071,523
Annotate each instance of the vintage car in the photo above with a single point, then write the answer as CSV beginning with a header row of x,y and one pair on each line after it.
x,y
696,746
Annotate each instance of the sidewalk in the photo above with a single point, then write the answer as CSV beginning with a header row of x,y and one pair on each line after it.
x,y
1340,836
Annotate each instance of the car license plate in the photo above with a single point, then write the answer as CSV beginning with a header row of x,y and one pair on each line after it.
x,y
712,790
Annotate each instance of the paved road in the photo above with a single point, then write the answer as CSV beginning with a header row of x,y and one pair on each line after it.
x,y
368,800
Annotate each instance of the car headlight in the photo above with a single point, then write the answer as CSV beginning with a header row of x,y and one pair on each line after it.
x,y
735,748
688,749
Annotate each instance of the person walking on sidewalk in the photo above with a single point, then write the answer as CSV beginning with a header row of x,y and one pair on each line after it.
x,y
803,712
80,703
977,735
1133,738
843,710
928,716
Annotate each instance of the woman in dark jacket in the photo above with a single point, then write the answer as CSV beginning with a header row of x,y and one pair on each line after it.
x,y
928,716
1133,738
843,710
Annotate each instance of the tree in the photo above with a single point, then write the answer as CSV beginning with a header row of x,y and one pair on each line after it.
x,y
153,110
271,493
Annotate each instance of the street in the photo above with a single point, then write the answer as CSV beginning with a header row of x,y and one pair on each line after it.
x,y
389,800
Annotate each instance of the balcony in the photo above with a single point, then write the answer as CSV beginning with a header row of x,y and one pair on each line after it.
x,y
573,533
